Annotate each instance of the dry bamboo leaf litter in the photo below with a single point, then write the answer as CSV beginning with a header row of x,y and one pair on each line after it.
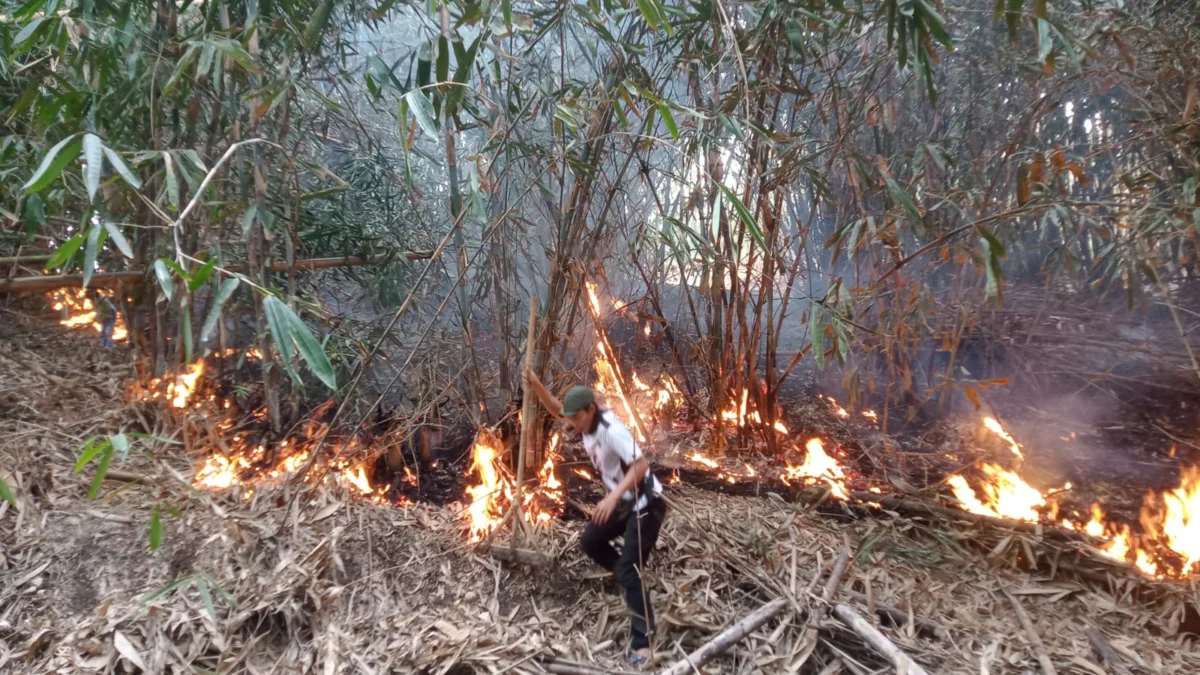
x,y
342,586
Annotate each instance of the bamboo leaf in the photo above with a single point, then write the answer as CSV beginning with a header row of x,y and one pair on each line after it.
x,y
119,239
164,278
201,276
422,110
240,56
101,471
665,112
93,155
91,251
156,529
383,8
122,168
53,163
93,447
935,24
206,597
462,74
65,252
181,67
1045,42
316,25
746,217
5,493
443,59
1068,48
291,328
27,31
214,311
901,196
993,251
278,323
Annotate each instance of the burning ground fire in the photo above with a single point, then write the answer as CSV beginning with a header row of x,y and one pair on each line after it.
x,y
77,309
1170,520
491,499
1167,545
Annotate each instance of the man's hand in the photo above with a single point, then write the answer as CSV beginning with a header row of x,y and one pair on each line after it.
x,y
528,377
605,508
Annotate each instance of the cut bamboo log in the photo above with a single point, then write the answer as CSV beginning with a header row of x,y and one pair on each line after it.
x,y
835,576
1035,640
132,277
727,638
523,556
857,623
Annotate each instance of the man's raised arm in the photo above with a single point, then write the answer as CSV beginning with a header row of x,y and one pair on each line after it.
x,y
552,404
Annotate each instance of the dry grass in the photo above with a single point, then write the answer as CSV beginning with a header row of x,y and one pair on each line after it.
x,y
325,584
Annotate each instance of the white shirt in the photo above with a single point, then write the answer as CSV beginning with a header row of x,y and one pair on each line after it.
x,y
612,450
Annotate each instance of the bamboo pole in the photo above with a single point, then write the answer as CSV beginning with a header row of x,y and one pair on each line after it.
x,y
527,414
728,637
131,277
855,622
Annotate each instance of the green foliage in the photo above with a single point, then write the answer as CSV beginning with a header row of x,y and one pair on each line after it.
x,y
289,331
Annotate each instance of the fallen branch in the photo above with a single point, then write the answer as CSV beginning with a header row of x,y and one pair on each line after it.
x,y
855,622
1035,640
917,508
727,638
564,667
1103,649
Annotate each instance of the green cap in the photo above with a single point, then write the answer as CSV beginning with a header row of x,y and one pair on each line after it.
x,y
577,399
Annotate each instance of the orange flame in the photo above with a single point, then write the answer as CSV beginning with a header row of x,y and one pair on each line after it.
x,y
485,509
819,465
993,426
1173,518
1006,495
78,310
608,373
181,389
837,407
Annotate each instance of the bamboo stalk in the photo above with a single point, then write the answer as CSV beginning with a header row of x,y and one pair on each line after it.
x,y
131,277
727,638
1039,649
855,622
527,414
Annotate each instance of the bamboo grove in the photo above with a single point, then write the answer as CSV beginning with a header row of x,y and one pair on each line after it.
x,y
774,185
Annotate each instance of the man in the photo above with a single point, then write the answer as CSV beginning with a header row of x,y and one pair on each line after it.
x,y
106,313
633,508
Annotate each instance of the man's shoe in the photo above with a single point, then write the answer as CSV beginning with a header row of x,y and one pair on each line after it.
x,y
638,658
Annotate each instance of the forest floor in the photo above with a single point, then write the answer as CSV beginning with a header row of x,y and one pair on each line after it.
x,y
315,581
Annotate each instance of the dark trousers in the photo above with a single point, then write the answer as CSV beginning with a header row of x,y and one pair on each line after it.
x,y
635,552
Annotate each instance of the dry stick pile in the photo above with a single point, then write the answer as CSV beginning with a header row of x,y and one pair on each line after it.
x,y
340,586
